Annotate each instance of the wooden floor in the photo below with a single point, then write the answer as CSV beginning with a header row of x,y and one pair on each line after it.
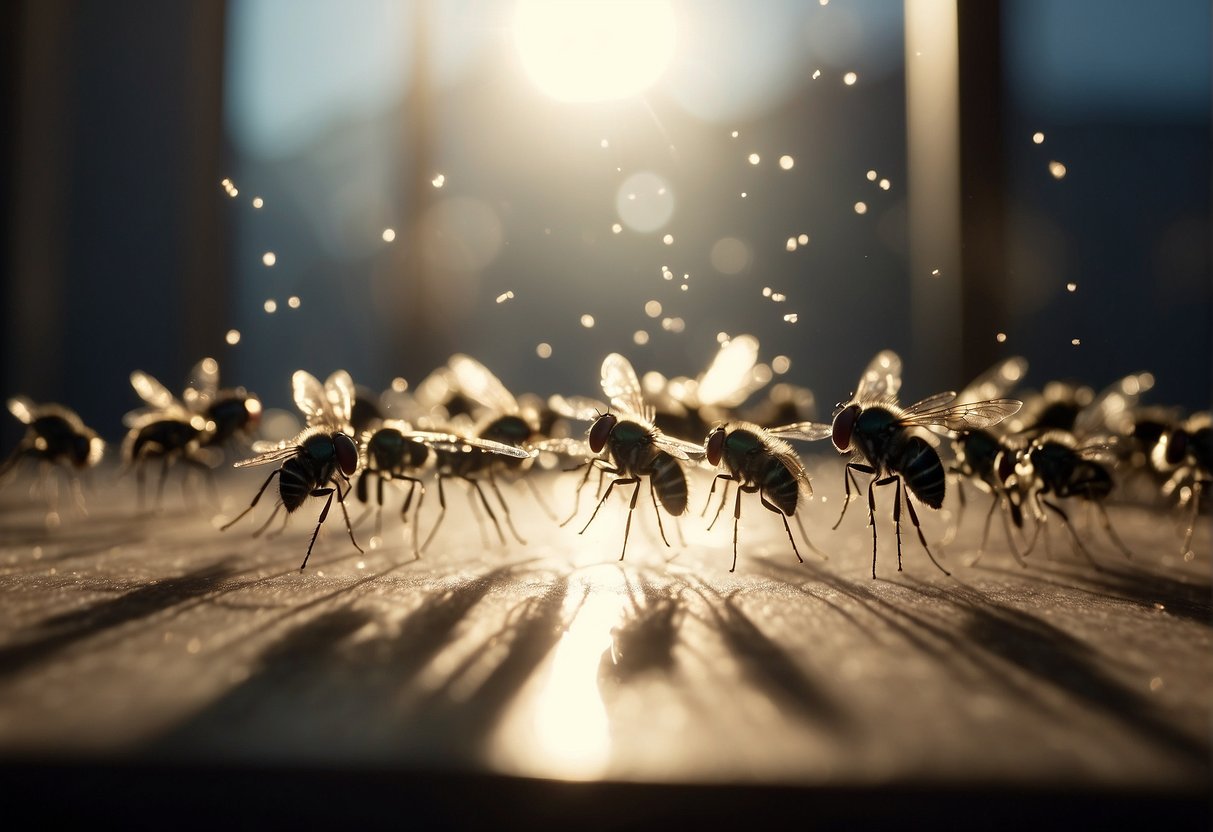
x,y
148,642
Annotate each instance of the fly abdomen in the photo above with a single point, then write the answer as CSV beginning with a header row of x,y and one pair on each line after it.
x,y
670,482
780,487
920,466
294,484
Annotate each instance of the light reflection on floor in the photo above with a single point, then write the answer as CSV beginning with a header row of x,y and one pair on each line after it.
x,y
558,726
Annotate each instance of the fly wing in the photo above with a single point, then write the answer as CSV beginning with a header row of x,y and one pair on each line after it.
x,y
456,443
730,378
803,431
309,396
269,452
24,409
995,382
479,384
622,387
881,378
339,394
202,385
564,446
577,407
936,411
152,391
790,460
679,448
1111,410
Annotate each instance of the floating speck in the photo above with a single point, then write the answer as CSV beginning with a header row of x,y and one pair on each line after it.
x,y
232,337
293,301
194,645
850,78
543,350
269,258
587,321
722,337
786,162
872,176
791,317
735,134
504,296
754,158
816,74
616,229
743,194
1038,138
803,239
230,187
673,324
666,273
668,239
438,181
270,306
1075,342
400,384
640,337
791,244
389,234
684,287
781,364
778,297
258,202
885,184
1001,337
653,309
1057,169
934,272
1071,287
604,144
861,208
1156,683
766,291
824,2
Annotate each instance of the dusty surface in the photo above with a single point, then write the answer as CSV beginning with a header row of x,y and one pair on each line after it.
x,y
154,637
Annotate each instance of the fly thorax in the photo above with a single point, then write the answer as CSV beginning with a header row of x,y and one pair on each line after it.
x,y
875,430
739,449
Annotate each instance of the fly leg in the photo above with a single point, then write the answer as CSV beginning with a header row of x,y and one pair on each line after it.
x,y
769,506
805,537
260,491
656,510
914,519
414,482
1197,488
341,495
543,504
848,477
708,502
505,509
872,519
441,513
1074,539
488,508
319,492
1112,535
588,465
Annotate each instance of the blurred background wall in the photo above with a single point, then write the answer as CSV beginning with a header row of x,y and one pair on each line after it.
x,y
395,169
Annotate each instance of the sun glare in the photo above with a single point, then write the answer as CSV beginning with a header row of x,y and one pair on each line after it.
x,y
594,50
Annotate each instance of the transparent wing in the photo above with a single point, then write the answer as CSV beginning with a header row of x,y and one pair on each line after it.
x,y
577,407
803,431
881,378
730,378
565,446
23,408
308,393
479,384
460,444
202,385
1111,409
339,394
790,460
622,387
995,382
936,412
276,452
678,448
152,391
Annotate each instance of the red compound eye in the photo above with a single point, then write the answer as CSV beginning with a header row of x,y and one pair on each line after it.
x,y
715,445
844,426
347,453
600,430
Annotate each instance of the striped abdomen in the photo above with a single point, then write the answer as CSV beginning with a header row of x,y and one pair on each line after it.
x,y
780,486
670,482
920,467
295,483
